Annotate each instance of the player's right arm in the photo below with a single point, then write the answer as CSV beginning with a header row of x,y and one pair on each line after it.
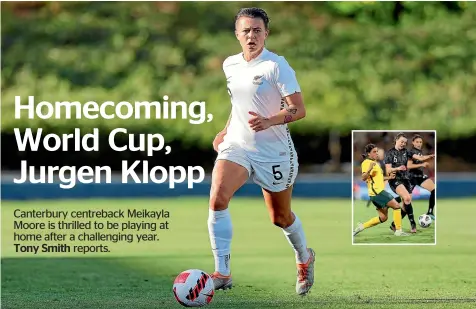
x,y
388,165
422,158
411,165
391,169
226,126
221,135
367,167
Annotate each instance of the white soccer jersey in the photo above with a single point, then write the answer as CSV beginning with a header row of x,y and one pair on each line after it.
x,y
259,86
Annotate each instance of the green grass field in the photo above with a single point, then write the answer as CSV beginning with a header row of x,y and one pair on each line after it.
x,y
381,234
347,276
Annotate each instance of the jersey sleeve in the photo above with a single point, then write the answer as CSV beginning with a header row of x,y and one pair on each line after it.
x,y
410,154
365,166
225,65
285,78
383,167
388,157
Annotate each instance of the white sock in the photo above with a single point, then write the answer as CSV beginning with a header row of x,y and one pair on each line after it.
x,y
295,235
221,232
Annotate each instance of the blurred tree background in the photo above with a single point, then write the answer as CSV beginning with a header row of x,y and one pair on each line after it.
x,y
361,65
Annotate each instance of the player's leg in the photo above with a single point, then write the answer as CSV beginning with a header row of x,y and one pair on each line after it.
x,y
276,181
397,217
398,199
227,178
382,216
429,185
281,215
404,190
393,186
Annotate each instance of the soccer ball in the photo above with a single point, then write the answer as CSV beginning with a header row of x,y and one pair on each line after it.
x,y
424,220
193,288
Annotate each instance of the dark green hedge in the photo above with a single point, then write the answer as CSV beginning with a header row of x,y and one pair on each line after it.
x,y
361,65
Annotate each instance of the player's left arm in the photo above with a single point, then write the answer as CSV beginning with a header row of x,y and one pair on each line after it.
x,y
286,83
295,110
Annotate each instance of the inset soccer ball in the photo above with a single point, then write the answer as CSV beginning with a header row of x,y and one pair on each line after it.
x,y
193,288
424,221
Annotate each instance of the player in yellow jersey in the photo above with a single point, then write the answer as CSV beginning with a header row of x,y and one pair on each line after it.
x,y
380,160
373,175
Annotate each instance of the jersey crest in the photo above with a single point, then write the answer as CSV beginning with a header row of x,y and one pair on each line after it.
x,y
258,80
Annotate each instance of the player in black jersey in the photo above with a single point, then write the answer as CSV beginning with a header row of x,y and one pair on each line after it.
x,y
402,184
417,173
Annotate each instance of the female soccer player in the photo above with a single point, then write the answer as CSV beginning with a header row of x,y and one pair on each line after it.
x,y
417,173
401,185
380,159
265,96
373,175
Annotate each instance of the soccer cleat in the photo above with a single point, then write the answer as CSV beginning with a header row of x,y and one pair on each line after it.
x,y
432,217
305,274
400,233
413,230
358,229
221,282
393,228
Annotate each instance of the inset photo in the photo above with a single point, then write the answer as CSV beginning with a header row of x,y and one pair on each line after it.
x,y
393,181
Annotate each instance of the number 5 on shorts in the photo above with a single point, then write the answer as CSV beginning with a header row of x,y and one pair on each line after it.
x,y
277,174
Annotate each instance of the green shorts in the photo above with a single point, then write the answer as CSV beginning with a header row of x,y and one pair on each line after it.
x,y
380,200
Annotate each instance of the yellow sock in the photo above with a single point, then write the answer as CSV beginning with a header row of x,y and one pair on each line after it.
x,y
397,218
374,221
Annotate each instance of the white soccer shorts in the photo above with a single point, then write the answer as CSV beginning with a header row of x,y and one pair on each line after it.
x,y
273,176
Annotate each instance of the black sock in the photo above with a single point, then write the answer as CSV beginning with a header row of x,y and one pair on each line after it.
x,y
398,199
409,211
432,203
